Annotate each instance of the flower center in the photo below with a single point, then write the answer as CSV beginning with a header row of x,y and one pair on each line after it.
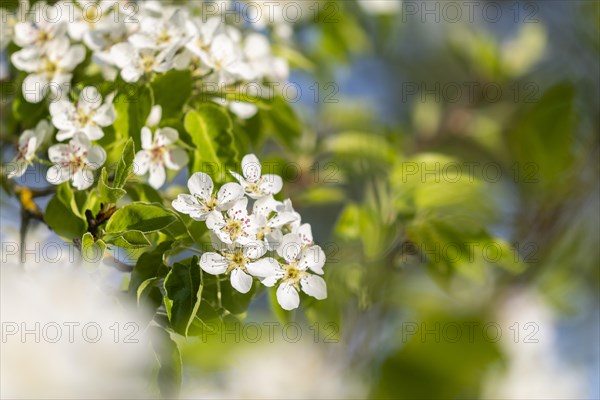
x,y
293,274
234,227
147,62
157,154
164,37
236,260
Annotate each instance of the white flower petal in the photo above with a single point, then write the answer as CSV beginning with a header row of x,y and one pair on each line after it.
x,y
251,168
176,159
146,137
165,136
105,115
241,281
314,286
96,157
58,153
213,263
201,185
141,162
287,296
35,88
271,184
228,195
158,175
57,174
312,258
263,268
155,116
83,178
290,247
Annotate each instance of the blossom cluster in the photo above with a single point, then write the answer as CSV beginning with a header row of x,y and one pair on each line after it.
x,y
103,36
55,40
269,243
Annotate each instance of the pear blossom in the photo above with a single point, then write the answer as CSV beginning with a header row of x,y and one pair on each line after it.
x,y
10,18
135,63
270,221
42,27
295,275
29,142
225,59
255,184
257,51
87,16
236,226
88,116
162,33
76,161
50,70
202,201
240,263
157,153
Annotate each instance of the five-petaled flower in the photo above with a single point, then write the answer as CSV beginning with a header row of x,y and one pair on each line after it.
x,y
295,274
88,116
202,201
76,160
29,142
158,153
255,184
240,263
50,69
235,225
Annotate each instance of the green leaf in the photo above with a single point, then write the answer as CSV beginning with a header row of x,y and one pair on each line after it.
x,y
171,91
282,122
63,216
142,217
210,129
127,239
169,359
125,164
542,140
133,106
183,288
92,251
234,301
107,193
361,145
149,265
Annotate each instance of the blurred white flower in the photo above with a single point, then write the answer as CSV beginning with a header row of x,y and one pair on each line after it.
x,y
162,33
135,63
50,70
157,153
29,142
76,160
202,201
89,116
43,26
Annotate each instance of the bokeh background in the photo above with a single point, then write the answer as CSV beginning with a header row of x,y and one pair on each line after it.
x,y
449,166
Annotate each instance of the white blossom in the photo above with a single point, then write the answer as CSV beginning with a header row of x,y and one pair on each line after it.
x,y
235,225
255,184
135,63
157,153
29,142
270,221
240,263
88,116
162,33
43,26
50,70
202,201
295,274
76,160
